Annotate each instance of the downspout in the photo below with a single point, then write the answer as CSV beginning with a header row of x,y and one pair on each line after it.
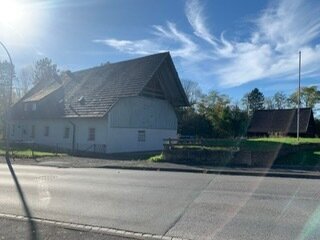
x,y
73,130
73,135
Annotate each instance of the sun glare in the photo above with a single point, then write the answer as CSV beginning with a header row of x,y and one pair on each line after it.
x,y
11,12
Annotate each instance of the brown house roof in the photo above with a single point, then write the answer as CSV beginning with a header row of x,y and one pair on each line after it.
x,y
280,120
93,92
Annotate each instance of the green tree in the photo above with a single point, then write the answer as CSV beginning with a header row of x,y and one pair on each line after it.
x,y
239,121
191,123
213,116
45,71
215,108
255,100
309,97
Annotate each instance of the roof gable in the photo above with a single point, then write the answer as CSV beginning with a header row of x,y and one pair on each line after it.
x,y
167,81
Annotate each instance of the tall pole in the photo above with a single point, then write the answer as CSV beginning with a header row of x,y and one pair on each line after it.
x,y
9,103
298,110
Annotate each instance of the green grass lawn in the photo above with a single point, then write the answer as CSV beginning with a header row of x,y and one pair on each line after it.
x,y
287,140
156,158
26,153
269,144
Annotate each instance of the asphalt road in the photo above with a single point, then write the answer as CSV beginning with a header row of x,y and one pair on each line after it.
x,y
11,229
195,206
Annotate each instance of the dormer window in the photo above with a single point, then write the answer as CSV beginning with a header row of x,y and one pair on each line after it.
x,y
81,100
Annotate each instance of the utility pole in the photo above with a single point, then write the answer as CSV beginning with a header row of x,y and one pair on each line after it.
x,y
9,103
298,110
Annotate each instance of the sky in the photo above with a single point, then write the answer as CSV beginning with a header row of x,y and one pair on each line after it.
x,y
230,46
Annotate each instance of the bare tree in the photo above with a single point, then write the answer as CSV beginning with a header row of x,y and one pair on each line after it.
x,y
24,82
245,102
280,100
45,71
269,103
192,91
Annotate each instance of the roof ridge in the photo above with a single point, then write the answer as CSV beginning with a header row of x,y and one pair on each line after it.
x,y
122,61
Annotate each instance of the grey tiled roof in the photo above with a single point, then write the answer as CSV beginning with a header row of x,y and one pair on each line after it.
x,y
99,88
43,92
102,86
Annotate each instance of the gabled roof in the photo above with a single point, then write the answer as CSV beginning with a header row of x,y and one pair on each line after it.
x,y
280,120
99,88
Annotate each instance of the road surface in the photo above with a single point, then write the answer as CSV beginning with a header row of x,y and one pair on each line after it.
x,y
186,205
11,229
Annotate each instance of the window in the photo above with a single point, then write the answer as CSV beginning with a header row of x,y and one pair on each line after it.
x,y
33,131
81,100
92,134
141,136
66,132
46,131
34,107
25,107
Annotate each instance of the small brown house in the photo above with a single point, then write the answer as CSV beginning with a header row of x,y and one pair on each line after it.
x,y
281,122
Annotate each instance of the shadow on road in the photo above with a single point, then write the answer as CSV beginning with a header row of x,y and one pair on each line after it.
x,y
32,225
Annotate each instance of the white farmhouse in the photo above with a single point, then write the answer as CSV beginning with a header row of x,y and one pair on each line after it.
x,y
127,106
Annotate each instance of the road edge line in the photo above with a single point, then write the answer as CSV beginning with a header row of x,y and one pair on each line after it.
x,y
93,228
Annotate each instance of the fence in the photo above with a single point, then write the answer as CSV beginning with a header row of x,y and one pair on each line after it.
x,y
91,148
231,143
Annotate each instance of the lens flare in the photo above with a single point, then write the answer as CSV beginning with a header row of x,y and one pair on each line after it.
x,y
11,12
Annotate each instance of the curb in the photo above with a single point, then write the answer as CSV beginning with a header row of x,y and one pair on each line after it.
x,y
222,172
93,228
261,173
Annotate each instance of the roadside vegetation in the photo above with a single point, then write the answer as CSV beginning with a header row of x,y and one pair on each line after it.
x,y
216,115
304,158
304,153
156,158
251,144
25,152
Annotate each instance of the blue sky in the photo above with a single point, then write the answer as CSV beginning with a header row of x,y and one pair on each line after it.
x,y
227,45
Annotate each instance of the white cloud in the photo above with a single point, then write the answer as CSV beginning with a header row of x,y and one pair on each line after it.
x,y
181,44
194,13
187,47
270,51
133,47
